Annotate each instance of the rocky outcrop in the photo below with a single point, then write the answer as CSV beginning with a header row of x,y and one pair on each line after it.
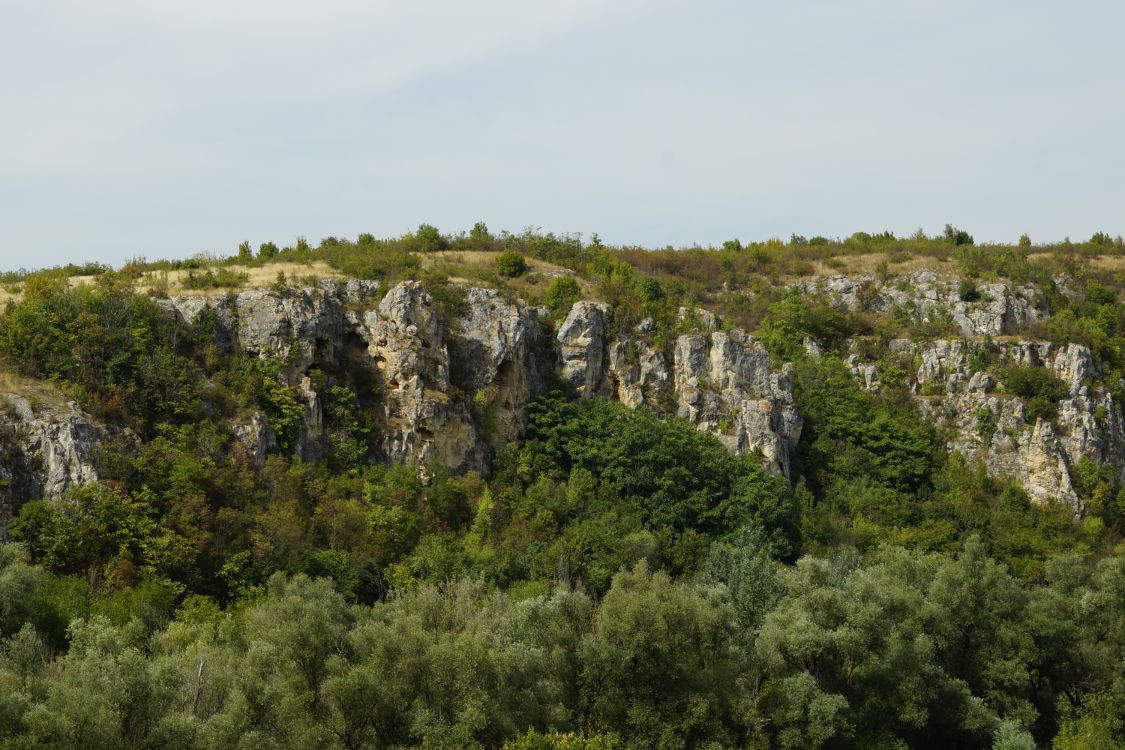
x,y
254,439
723,383
638,372
582,346
497,355
46,447
424,418
451,390
955,385
726,384
297,325
986,309
451,383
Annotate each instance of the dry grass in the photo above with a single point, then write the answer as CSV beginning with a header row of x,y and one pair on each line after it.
x,y
259,276
479,268
173,281
1112,263
868,263
35,391
477,263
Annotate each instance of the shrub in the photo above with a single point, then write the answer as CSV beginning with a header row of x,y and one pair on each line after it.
x,y
651,289
561,294
673,475
511,263
794,318
1040,388
215,279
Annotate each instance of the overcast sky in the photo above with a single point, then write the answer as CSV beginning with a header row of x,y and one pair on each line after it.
x,y
162,129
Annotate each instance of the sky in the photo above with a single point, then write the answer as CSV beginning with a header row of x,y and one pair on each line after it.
x,y
152,128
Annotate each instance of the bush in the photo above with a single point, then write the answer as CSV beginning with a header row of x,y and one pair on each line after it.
x,y
215,279
968,291
122,354
562,294
795,318
1039,387
511,263
850,434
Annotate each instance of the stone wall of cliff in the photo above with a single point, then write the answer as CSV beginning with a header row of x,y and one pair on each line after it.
x,y
452,386
452,389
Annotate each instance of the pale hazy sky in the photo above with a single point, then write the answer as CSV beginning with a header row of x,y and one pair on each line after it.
x,y
145,127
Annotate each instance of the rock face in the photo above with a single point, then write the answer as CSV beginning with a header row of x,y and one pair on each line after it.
x,y
254,439
726,384
450,390
296,325
582,348
497,351
956,385
423,418
449,384
954,388
722,383
991,309
638,373
44,450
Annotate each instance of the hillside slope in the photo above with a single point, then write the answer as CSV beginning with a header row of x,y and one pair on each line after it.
x,y
531,491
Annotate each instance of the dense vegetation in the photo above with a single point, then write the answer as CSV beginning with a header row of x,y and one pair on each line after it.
x,y
619,580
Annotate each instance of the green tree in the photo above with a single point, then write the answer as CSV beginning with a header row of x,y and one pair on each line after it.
x,y
427,239
1040,388
660,669
555,741
956,236
479,233
562,293
18,581
1098,726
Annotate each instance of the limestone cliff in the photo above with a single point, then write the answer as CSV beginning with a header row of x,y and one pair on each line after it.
x,y
452,389
46,447
724,383
987,309
955,384
453,382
